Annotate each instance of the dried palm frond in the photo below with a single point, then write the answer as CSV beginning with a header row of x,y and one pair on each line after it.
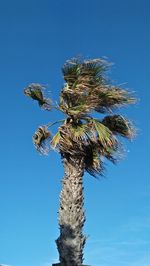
x,y
67,142
74,138
91,141
35,91
109,97
100,99
89,89
41,140
119,125
93,161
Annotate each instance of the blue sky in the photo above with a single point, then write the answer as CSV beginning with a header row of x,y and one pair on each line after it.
x,y
36,39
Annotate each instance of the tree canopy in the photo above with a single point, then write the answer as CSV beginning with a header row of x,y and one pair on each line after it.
x,y
86,90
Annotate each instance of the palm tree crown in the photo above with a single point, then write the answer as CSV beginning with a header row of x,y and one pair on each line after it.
x,y
86,90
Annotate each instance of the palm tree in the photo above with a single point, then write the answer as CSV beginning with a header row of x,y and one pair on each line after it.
x,y
82,140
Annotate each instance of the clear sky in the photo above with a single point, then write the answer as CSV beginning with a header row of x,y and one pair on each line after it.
x,y
36,38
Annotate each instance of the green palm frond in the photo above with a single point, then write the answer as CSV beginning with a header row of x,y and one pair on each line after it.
x,y
105,136
107,144
119,125
71,70
55,141
79,132
35,91
41,139
92,71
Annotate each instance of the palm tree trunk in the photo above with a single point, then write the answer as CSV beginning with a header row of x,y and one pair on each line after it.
x,y
71,241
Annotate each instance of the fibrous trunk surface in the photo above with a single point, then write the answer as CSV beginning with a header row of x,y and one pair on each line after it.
x,y
71,241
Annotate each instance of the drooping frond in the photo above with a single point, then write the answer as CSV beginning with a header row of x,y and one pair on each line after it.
x,y
75,142
93,161
90,140
35,91
119,125
41,140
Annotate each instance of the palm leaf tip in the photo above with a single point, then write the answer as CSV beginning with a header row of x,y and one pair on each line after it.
x,y
41,140
120,125
35,91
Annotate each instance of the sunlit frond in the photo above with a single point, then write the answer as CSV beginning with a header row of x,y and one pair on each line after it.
x,y
35,91
105,136
41,140
55,140
119,125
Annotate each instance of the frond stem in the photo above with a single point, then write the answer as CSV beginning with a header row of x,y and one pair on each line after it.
x,y
51,124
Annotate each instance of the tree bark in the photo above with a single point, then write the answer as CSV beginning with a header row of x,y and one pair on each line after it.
x,y
71,241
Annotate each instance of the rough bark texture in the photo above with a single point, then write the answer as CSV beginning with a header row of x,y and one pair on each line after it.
x,y
71,241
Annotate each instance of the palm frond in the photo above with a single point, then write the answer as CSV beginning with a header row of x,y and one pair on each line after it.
x,y
74,103
74,138
71,70
92,71
89,89
93,162
119,125
35,91
109,97
55,141
77,71
107,143
41,140
105,136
